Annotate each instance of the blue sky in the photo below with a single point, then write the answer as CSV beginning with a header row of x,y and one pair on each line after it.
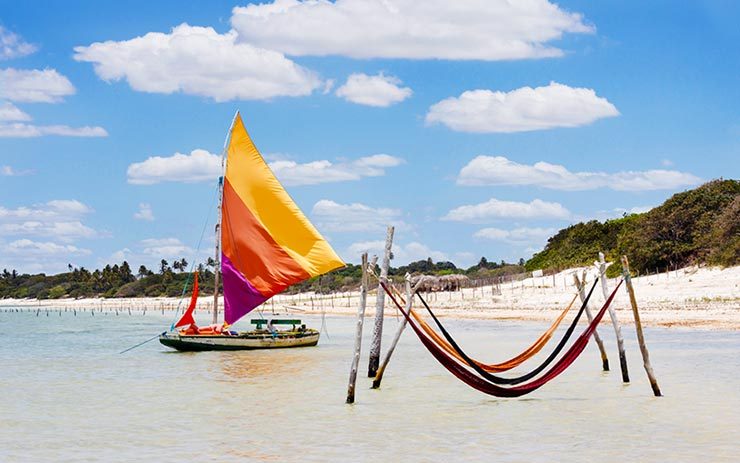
x,y
475,127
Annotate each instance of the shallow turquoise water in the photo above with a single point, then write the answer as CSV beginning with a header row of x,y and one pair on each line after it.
x,y
67,395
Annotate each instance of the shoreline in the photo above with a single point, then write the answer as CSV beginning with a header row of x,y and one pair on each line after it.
x,y
702,298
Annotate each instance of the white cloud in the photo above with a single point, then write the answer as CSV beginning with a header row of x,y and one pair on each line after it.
x,y
8,171
151,251
433,29
334,217
165,248
379,90
60,219
13,46
496,209
498,170
199,61
517,236
201,166
144,212
198,166
666,163
30,256
10,112
19,130
521,110
34,86
402,254
292,173
26,247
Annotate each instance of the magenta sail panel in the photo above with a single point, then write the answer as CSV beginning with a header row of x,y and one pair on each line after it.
x,y
240,297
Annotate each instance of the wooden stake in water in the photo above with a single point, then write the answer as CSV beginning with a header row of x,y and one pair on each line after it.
x,y
409,301
580,285
358,333
601,267
372,366
638,327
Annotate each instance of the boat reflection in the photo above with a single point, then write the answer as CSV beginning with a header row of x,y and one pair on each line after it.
x,y
253,364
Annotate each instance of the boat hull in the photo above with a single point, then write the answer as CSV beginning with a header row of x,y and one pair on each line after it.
x,y
242,341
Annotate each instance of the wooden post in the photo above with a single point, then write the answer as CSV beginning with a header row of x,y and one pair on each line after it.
x,y
638,327
581,286
601,267
372,366
358,333
409,302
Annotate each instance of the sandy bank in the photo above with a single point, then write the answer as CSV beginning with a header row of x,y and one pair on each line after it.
x,y
690,297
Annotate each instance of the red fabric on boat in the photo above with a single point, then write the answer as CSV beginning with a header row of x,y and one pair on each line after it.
x,y
187,317
476,382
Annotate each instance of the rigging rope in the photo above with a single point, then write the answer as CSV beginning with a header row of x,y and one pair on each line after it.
x,y
486,387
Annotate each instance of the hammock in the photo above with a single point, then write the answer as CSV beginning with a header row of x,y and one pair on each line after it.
x,y
486,387
519,379
513,362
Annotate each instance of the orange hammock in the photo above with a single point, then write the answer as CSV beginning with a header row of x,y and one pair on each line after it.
x,y
528,353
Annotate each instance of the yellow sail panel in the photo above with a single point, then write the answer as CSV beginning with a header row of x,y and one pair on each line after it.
x,y
273,208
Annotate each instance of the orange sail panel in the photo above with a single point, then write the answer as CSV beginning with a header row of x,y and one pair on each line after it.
x,y
267,242
187,318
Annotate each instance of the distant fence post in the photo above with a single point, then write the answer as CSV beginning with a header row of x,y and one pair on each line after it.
x,y
580,286
372,366
601,267
638,327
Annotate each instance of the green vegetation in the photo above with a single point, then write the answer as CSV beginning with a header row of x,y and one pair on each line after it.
x,y
118,281
697,226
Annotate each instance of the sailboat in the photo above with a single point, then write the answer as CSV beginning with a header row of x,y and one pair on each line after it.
x,y
264,244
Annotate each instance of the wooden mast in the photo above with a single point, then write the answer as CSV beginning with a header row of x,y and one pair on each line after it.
x,y
219,218
217,270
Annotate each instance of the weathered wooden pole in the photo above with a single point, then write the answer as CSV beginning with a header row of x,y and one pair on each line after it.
x,y
409,302
638,327
601,267
372,366
358,333
581,286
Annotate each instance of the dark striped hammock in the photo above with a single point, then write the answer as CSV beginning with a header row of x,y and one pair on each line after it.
x,y
484,383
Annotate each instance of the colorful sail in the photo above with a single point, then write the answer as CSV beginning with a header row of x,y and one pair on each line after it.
x,y
267,242
187,318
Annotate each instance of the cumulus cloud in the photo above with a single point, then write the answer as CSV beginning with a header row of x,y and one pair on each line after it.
x,y
292,173
201,166
10,112
25,247
144,213
13,46
496,209
9,171
198,166
517,236
34,86
433,29
498,170
20,130
199,61
168,248
356,217
379,90
402,254
151,251
60,219
521,110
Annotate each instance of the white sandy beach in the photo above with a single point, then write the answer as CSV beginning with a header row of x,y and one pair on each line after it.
x,y
691,297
